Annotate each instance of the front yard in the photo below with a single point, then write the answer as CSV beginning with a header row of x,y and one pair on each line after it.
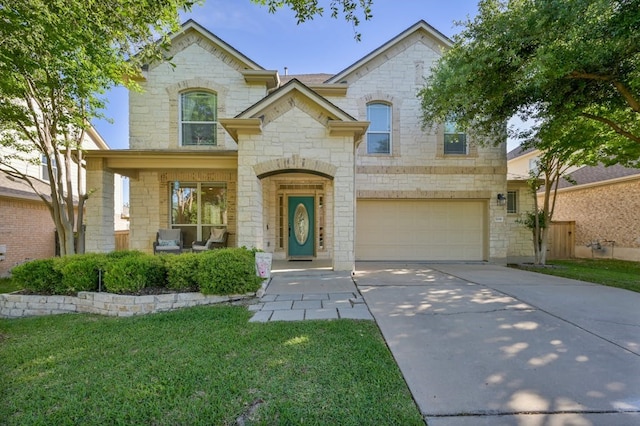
x,y
609,272
205,365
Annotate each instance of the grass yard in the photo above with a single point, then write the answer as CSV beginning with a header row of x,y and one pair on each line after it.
x,y
205,365
609,272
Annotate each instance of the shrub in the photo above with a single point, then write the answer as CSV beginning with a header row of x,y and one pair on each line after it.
x,y
227,271
37,276
182,271
132,273
80,272
119,254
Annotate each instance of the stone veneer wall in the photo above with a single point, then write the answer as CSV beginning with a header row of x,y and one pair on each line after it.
x,y
520,237
20,305
417,167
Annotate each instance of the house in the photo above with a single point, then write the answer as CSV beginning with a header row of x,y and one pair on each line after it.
x,y
305,167
603,202
27,229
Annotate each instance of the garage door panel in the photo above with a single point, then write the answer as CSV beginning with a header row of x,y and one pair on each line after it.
x,y
420,230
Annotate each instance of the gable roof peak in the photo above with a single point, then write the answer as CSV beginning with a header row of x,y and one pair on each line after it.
x,y
192,25
421,25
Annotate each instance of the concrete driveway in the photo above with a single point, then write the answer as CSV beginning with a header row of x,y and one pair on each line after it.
x,y
482,344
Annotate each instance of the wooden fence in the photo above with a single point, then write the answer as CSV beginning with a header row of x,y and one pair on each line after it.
x,y
122,240
562,240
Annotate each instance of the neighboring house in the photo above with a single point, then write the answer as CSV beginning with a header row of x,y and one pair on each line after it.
x,y
27,230
311,166
604,203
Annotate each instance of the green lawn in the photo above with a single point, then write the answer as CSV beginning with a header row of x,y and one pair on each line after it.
x,y
610,272
205,365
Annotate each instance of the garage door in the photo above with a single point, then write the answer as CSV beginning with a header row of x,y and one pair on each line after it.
x,y
420,230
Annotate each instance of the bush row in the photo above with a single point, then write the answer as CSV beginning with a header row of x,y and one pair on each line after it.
x,y
224,271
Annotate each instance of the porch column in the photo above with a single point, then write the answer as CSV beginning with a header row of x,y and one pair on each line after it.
x,y
344,218
100,234
249,229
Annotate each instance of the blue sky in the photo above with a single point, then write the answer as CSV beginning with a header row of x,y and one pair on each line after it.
x,y
274,41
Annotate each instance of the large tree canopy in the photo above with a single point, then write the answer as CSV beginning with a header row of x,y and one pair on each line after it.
x,y
568,64
56,58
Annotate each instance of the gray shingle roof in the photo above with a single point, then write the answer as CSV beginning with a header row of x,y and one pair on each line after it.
x,y
599,173
16,188
306,79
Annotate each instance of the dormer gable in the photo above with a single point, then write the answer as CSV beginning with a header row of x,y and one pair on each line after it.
x,y
294,94
420,31
193,33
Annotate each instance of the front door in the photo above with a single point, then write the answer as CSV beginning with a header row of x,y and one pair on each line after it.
x,y
301,226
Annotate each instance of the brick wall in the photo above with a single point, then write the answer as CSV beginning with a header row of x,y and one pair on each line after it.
x,y
606,212
25,239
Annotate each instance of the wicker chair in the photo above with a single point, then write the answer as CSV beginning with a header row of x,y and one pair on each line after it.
x,y
168,241
217,239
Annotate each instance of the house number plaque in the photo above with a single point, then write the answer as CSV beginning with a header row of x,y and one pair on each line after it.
x,y
301,224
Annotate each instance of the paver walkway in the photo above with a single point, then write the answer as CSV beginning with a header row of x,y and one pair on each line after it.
x,y
310,295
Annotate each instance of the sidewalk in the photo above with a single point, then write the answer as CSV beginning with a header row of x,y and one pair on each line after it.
x,y
296,295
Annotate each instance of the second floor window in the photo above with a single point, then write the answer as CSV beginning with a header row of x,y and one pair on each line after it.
x,y
455,142
198,118
379,132
45,168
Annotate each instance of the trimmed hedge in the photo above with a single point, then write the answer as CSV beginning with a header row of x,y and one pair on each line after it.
x,y
182,271
80,272
228,271
38,276
130,274
223,271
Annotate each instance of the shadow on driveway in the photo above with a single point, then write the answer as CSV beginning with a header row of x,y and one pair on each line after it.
x,y
484,344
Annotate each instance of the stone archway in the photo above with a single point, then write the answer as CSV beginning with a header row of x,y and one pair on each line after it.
x,y
295,164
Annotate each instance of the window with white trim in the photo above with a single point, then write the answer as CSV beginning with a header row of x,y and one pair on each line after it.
x,y
455,142
198,118
379,132
45,169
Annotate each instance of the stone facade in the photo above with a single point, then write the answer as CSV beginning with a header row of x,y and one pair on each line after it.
x,y
521,247
294,140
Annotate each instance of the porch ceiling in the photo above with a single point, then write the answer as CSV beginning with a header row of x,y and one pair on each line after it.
x,y
130,162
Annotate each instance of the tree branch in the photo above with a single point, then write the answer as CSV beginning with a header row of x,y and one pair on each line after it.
x,y
589,76
616,128
627,95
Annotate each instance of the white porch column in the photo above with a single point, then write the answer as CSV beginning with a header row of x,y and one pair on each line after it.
x,y
100,234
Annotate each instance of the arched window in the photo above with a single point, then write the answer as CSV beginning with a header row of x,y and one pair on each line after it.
x,y
198,118
379,132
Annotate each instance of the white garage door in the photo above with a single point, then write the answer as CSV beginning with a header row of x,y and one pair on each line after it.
x,y
420,230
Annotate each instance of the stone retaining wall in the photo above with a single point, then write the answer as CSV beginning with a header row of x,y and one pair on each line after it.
x,y
20,305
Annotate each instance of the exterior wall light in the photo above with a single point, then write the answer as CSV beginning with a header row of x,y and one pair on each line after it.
x,y
502,200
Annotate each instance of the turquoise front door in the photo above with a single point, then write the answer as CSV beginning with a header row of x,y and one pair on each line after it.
x,y
301,226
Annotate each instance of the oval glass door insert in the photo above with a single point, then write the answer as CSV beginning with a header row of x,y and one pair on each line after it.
x,y
301,224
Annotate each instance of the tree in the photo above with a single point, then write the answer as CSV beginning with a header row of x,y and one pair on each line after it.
x,y
564,63
552,166
56,58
